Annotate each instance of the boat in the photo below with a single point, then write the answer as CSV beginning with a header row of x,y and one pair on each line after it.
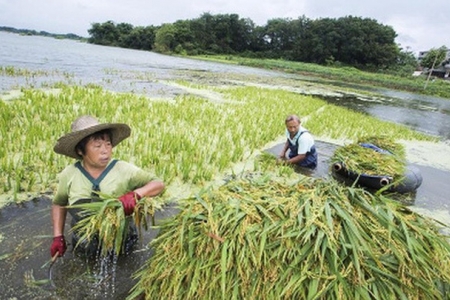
x,y
410,181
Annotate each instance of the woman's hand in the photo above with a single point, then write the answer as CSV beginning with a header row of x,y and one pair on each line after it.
x,y
58,246
129,202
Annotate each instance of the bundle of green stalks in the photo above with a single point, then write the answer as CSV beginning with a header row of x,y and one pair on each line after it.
x,y
315,239
363,160
105,219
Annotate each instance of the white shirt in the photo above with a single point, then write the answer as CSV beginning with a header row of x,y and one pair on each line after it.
x,y
305,140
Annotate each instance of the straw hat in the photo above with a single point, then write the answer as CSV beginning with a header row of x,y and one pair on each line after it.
x,y
85,126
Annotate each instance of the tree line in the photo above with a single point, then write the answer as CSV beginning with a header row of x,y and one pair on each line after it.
x,y
354,41
71,36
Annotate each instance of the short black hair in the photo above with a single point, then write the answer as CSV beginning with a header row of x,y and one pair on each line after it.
x,y
81,146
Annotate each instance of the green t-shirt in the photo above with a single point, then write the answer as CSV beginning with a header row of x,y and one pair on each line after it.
x,y
123,177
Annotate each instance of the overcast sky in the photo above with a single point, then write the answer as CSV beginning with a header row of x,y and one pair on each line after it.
x,y
420,25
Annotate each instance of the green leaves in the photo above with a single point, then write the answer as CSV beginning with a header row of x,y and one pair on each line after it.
x,y
189,149
106,220
347,244
362,160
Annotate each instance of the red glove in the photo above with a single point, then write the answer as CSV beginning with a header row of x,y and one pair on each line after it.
x,y
58,245
129,202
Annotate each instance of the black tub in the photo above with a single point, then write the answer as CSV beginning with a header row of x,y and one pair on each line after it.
x,y
409,182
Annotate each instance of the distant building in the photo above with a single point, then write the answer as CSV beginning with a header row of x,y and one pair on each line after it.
x,y
422,54
440,70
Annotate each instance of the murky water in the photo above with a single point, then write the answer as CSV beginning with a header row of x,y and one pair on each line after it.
x,y
25,257
422,113
25,230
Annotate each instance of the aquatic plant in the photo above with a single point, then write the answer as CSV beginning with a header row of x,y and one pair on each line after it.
x,y
16,72
257,238
351,75
191,138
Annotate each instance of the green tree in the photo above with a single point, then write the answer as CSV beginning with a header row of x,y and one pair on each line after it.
x,y
280,36
405,65
242,29
140,37
185,40
353,41
434,57
104,34
366,43
257,42
165,40
222,27
202,33
320,42
124,30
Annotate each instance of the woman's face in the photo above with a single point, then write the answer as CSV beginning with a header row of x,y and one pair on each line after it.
x,y
98,152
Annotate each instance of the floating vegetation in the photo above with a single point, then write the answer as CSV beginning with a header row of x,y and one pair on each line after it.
x,y
341,74
29,279
189,139
364,160
15,72
315,239
105,219
30,76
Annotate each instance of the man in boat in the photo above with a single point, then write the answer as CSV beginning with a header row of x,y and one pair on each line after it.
x,y
300,143
91,144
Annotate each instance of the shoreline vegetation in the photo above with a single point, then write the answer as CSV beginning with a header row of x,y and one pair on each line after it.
x,y
340,75
30,32
348,75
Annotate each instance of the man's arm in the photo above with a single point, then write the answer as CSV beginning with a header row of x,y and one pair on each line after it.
x,y
296,159
285,148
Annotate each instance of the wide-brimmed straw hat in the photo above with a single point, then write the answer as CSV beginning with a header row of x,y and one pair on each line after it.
x,y
85,126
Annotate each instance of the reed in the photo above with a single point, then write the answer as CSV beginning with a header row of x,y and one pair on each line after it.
x,y
256,238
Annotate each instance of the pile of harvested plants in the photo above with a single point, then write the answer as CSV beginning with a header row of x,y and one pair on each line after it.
x,y
315,239
363,160
105,220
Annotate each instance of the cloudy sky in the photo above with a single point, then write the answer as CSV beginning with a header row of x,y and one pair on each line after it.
x,y
420,25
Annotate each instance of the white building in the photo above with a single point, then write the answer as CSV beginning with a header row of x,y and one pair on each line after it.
x,y
422,54
440,71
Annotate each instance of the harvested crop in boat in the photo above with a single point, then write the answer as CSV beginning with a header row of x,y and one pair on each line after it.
x,y
364,160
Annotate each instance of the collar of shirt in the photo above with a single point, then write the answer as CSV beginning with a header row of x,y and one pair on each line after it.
x,y
297,135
